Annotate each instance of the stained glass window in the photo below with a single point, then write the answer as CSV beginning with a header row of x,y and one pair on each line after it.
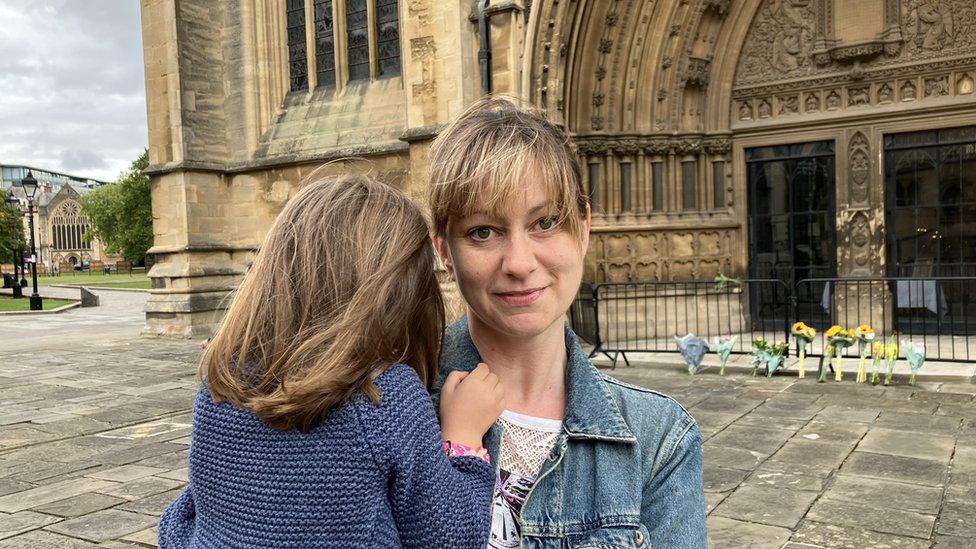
x,y
387,38
357,34
324,44
297,54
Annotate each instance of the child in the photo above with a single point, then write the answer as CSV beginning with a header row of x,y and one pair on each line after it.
x,y
314,427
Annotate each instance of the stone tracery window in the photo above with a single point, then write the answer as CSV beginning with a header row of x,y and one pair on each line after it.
x,y
352,40
69,227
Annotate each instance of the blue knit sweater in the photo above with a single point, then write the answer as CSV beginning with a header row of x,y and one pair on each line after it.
x,y
371,475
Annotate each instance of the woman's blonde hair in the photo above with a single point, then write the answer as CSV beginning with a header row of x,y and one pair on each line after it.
x,y
481,160
342,287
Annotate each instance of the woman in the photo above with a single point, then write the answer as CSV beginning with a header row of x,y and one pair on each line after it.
x,y
584,460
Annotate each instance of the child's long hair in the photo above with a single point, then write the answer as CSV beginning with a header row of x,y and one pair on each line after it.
x,y
342,287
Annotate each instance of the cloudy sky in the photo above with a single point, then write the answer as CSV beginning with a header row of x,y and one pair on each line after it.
x,y
72,91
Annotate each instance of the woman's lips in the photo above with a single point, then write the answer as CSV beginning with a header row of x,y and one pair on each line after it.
x,y
521,299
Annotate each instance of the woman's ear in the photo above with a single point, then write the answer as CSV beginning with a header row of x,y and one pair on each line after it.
x,y
444,254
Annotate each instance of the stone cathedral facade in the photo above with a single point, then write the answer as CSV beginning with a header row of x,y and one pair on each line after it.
x,y
763,138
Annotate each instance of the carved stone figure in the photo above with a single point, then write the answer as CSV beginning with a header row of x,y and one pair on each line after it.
x,y
935,25
937,86
833,100
792,39
908,91
789,104
885,93
812,102
765,109
858,96
745,111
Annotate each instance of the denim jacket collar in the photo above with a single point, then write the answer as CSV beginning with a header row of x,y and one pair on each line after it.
x,y
591,412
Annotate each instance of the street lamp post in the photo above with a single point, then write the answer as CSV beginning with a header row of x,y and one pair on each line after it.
x,y
30,189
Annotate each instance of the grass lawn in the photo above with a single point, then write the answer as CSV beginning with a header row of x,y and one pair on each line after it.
x,y
121,280
10,304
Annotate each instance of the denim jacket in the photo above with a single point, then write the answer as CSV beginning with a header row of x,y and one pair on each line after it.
x,y
625,472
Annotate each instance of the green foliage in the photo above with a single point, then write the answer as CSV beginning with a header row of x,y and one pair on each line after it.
x,y
11,230
121,213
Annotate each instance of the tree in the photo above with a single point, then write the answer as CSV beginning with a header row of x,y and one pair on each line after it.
x,y
11,230
121,213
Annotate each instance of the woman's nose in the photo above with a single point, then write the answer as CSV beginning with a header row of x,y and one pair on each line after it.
x,y
520,256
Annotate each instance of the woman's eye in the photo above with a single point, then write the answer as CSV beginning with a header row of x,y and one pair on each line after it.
x,y
481,233
548,223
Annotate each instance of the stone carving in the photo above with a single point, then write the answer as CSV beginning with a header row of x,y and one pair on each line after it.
x,y
717,145
641,255
859,96
765,109
789,104
745,111
598,99
611,19
601,73
908,91
935,25
833,100
860,169
606,45
682,244
696,73
812,102
965,85
937,86
885,93
796,39
860,243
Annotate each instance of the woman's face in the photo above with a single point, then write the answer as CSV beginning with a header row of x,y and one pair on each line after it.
x,y
518,272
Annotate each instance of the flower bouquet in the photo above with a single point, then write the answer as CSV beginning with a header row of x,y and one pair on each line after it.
x,y
760,354
776,355
838,339
723,347
804,336
877,354
891,356
915,353
693,349
864,335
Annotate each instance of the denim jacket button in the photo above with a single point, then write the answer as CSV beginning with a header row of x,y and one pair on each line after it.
x,y
639,537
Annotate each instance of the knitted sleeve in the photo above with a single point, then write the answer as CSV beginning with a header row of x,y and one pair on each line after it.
x,y
176,523
436,501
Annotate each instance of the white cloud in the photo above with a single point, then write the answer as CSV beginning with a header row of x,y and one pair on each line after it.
x,y
72,90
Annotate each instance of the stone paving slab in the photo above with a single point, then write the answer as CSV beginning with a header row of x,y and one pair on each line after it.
x,y
93,447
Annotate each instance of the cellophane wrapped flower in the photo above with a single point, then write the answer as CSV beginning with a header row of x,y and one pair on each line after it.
x,y
877,355
723,347
693,349
804,336
915,353
838,339
864,335
891,356
776,356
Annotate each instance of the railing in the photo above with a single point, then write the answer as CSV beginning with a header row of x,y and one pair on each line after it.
x,y
626,317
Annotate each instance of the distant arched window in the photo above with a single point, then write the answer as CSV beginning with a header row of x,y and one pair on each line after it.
x,y
69,227
369,31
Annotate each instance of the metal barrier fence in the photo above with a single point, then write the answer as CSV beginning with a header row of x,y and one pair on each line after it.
x,y
626,317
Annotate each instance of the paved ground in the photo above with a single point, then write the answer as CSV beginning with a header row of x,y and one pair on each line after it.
x,y
94,432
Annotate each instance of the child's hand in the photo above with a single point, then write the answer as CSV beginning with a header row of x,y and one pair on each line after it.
x,y
470,403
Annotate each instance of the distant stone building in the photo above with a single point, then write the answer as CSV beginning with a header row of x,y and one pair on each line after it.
x,y
764,138
60,224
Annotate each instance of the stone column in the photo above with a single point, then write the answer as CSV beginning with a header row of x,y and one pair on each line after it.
x,y
860,233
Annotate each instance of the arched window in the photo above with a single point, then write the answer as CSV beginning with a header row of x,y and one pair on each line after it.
x,y
371,32
69,227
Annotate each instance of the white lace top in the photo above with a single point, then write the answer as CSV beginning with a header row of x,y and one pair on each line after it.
x,y
525,445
